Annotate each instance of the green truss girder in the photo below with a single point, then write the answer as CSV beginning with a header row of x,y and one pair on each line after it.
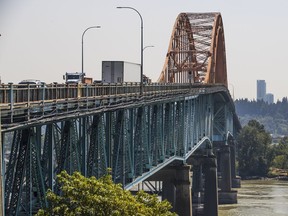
x,y
131,141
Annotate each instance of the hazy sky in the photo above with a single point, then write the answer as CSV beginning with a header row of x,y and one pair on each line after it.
x,y
41,39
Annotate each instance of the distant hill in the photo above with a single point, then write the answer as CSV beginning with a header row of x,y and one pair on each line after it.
x,y
273,116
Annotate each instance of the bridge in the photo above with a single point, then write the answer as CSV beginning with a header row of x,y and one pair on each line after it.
x,y
177,138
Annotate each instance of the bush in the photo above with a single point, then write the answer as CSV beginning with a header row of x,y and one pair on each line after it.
x,y
100,197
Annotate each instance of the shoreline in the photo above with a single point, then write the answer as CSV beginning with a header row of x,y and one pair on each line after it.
x,y
280,177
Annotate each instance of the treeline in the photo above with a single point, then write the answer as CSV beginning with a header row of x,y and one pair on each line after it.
x,y
274,117
256,155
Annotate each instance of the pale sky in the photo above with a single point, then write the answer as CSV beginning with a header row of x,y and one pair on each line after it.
x,y
41,39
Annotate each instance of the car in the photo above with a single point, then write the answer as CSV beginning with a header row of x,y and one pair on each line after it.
x,y
38,83
97,81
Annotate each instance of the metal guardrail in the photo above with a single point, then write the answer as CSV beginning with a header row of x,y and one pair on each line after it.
x,y
11,93
20,103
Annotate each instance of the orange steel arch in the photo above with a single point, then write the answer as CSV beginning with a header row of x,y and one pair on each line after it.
x,y
196,50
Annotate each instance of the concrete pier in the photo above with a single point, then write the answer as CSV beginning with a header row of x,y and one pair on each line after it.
x,y
236,180
169,192
183,191
211,187
176,188
226,195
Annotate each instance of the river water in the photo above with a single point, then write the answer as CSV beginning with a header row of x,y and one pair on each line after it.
x,y
259,198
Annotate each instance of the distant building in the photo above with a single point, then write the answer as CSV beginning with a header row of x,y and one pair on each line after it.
x,y
261,90
269,98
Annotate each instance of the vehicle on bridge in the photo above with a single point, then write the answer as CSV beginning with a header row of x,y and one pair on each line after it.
x,y
35,82
120,71
77,78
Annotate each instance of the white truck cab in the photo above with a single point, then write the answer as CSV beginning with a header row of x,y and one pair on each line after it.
x,y
73,77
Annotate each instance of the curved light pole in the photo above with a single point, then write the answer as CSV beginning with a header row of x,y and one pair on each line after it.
x,y
232,90
82,68
142,49
147,47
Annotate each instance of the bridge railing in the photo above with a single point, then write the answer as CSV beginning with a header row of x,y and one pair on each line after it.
x,y
20,103
13,93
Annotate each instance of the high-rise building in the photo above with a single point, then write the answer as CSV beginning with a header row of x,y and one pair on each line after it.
x,y
269,98
261,90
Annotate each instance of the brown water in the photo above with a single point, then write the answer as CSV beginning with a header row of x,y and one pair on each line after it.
x,y
259,198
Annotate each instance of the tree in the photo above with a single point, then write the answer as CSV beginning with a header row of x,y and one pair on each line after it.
x,y
273,116
253,143
100,197
281,154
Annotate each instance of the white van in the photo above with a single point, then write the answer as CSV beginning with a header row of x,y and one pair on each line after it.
x,y
38,83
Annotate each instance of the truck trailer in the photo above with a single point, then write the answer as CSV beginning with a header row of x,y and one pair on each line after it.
x,y
120,71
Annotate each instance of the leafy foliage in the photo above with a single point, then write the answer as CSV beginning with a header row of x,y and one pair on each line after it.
x,y
275,119
100,197
280,153
273,116
253,149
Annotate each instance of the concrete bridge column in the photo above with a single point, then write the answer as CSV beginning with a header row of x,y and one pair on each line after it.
x,y
197,182
183,191
210,187
236,180
233,159
169,192
226,195
176,188
197,189
225,165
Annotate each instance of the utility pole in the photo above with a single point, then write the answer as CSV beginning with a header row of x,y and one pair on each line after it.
x,y
141,49
1,172
1,168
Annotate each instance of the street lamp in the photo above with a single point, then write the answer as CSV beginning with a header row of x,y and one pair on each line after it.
x,y
143,57
232,90
142,49
82,69
147,47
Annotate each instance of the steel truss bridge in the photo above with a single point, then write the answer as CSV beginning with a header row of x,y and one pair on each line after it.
x,y
186,123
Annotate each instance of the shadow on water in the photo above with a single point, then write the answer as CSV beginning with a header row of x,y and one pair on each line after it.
x,y
259,198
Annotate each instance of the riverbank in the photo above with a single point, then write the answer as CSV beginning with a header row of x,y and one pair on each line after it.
x,y
274,174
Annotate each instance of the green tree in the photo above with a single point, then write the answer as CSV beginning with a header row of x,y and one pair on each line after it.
x,y
280,150
253,149
280,161
100,197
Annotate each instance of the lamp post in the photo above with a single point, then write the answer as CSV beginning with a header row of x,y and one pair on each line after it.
x,y
232,90
143,65
82,68
147,47
142,49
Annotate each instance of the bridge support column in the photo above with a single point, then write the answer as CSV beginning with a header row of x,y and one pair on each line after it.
x,y
169,192
226,195
197,189
197,182
210,187
225,164
176,188
183,191
236,180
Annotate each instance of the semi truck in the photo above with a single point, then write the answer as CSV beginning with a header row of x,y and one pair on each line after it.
x,y
120,71
76,78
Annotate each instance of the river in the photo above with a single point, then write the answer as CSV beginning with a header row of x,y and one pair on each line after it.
x,y
259,198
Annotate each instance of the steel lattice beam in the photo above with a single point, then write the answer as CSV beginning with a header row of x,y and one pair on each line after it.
x,y
196,51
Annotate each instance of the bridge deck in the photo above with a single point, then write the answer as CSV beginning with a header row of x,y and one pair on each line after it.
x,y
22,104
